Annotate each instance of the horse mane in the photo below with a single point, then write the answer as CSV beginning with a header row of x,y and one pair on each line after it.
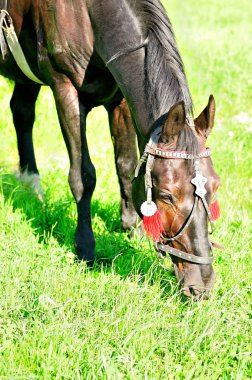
x,y
167,83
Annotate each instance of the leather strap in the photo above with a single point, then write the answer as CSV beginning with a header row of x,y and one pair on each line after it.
x,y
6,25
153,141
3,45
150,159
208,214
186,224
166,153
183,255
127,50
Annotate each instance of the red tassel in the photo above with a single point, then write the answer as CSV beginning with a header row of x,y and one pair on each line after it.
x,y
215,210
153,226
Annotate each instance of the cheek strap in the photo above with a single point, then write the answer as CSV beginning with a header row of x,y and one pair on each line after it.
x,y
152,221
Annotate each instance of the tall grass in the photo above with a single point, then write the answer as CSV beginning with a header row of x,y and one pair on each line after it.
x,y
126,318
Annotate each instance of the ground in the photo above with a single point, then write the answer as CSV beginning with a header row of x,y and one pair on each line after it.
x,y
126,318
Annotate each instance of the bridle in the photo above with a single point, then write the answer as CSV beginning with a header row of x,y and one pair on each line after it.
x,y
151,151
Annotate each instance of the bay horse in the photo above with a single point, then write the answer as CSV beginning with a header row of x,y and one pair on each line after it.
x,y
96,52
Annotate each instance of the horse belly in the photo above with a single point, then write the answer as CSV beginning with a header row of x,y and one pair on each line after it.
x,y
99,87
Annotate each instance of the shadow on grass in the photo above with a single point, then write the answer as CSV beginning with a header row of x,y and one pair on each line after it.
x,y
114,248
46,218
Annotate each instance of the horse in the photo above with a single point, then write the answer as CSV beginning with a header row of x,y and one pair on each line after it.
x,y
123,55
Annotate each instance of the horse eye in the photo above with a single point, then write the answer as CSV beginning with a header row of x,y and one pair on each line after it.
x,y
167,197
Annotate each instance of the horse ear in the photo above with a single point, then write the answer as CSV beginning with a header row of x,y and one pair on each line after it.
x,y
174,122
205,121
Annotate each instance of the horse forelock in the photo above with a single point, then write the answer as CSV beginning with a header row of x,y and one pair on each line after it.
x,y
188,142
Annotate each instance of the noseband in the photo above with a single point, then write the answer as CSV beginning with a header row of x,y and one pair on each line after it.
x,y
151,151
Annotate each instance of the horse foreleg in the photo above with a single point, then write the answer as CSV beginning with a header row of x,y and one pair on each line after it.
x,y
125,147
23,110
72,116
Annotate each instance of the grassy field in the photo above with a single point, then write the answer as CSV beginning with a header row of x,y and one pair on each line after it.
x,y
126,318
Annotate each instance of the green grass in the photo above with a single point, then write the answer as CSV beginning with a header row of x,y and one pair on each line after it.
x,y
126,318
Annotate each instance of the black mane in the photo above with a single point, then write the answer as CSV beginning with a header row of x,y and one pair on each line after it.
x,y
167,84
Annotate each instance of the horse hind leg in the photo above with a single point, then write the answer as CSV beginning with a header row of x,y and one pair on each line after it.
x,y
126,156
23,111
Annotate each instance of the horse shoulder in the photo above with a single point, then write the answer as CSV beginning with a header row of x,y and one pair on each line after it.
x,y
65,36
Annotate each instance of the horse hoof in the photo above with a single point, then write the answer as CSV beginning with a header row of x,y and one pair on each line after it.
x,y
32,180
89,257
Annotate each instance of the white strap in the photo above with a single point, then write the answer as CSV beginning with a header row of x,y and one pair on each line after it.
x,y
18,54
16,49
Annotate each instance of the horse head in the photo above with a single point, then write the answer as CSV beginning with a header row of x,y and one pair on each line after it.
x,y
183,185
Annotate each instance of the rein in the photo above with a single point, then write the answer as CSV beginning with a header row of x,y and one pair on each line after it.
x,y
8,37
127,51
151,151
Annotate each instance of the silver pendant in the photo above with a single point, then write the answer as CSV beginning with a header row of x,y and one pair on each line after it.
x,y
148,208
199,182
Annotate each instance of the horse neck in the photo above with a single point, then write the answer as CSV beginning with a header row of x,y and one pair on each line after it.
x,y
150,78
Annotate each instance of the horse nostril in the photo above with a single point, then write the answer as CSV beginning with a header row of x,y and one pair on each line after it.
x,y
186,291
193,291
196,294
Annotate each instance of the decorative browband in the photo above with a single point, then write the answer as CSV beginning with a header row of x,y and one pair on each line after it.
x,y
165,153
